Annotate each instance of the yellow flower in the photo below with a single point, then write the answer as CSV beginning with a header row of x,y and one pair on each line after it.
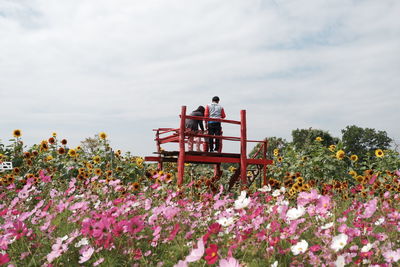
x,y
72,153
17,133
280,159
319,139
96,159
103,135
354,157
54,134
340,154
276,152
232,169
44,146
78,148
379,153
139,161
49,157
353,173
332,148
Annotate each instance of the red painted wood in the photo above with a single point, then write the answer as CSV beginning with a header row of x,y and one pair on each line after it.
x,y
265,145
212,119
243,147
181,158
205,159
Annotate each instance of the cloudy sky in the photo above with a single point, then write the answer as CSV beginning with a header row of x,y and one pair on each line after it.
x,y
125,67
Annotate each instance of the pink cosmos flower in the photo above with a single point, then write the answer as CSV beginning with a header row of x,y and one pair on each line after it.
x,y
197,253
19,229
323,204
392,255
211,254
86,254
4,258
229,262
135,225
369,208
174,232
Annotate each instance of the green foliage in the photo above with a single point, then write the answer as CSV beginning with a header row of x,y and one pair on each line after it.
x,y
273,143
361,141
302,138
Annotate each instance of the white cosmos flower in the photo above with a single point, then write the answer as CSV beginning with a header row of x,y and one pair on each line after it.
x,y
327,226
276,193
340,261
299,248
242,201
83,242
275,264
293,213
283,189
366,248
265,188
339,242
225,222
380,221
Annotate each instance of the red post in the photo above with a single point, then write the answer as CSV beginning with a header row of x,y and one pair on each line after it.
x,y
243,147
265,146
159,165
181,159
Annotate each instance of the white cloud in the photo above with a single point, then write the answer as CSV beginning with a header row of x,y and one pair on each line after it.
x,y
126,67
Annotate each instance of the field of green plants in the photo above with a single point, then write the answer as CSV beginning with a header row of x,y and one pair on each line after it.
x,y
321,206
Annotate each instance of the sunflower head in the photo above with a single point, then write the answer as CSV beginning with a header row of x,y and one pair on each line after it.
x,y
319,139
340,154
102,135
332,148
52,140
379,153
17,133
72,153
64,142
354,158
96,159
280,159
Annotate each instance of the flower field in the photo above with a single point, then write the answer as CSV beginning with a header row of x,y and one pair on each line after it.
x,y
64,206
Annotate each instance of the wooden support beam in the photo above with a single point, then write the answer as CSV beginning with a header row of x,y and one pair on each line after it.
x,y
181,159
265,145
243,147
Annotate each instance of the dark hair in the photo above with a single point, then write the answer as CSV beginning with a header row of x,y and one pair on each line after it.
x,y
215,99
201,109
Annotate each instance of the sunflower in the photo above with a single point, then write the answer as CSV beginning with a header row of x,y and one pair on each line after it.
x,y
96,159
276,152
306,187
17,133
332,148
108,173
64,142
16,170
97,171
360,178
61,150
78,148
89,165
139,161
354,158
135,186
35,153
304,158
44,146
353,173
49,157
319,139
102,135
379,153
340,154
280,159
300,179
52,140
54,134
72,153
231,169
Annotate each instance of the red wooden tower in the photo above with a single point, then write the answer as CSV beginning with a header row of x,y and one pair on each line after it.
x,y
180,135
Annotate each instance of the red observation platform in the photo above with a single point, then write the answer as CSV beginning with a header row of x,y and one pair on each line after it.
x,y
181,135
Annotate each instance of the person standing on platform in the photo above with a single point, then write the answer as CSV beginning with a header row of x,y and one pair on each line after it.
x,y
193,126
214,110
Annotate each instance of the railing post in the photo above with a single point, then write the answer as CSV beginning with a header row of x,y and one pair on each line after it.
x,y
265,165
159,165
243,147
181,158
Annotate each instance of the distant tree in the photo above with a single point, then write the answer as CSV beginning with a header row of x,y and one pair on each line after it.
x,y
360,141
91,145
273,143
304,137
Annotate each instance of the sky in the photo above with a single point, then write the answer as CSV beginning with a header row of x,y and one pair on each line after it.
x,y
125,67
